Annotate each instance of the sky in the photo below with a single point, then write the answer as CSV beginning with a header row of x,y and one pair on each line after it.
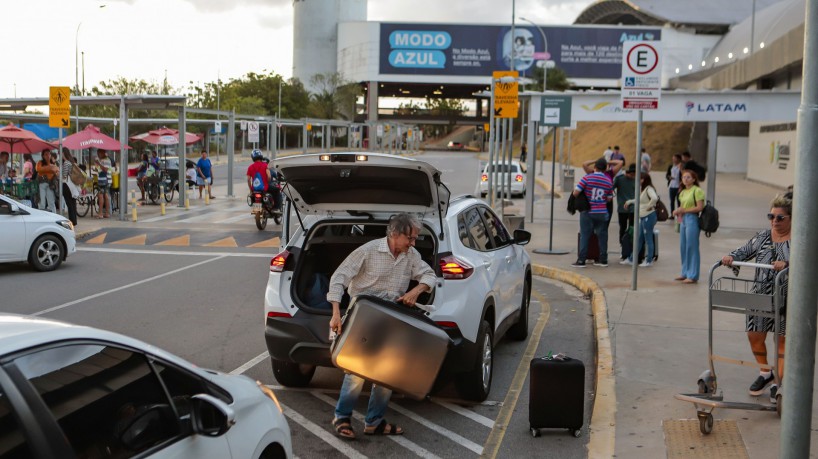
x,y
196,41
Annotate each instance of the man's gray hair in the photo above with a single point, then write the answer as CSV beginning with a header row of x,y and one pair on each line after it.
x,y
402,224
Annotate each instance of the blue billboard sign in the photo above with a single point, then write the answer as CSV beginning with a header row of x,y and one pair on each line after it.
x,y
479,50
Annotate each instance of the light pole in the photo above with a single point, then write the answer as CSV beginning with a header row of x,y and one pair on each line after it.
x,y
545,50
278,116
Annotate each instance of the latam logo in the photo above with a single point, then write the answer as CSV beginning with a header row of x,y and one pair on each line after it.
x,y
715,108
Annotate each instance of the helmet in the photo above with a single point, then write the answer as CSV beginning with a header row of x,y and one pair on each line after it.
x,y
256,154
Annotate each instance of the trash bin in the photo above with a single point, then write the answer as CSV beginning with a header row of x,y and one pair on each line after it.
x,y
567,180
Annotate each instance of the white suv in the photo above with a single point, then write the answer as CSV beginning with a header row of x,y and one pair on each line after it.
x,y
338,202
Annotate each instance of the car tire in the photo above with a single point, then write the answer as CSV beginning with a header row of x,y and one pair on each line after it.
x,y
519,331
292,374
475,385
46,253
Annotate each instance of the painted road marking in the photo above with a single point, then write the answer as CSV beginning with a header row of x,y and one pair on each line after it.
x,y
463,441
478,418
495,439
97,240
226,242
336,443
183,241
132,284
173,252
408,444
236,218
274,242
251,363
135,240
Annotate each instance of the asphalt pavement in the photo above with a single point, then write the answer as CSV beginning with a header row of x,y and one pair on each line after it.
x,y
652,341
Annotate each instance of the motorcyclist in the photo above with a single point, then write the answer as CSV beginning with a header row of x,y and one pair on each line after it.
x,y
260,178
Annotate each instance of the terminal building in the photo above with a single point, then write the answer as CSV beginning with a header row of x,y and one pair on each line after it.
x,y
706,45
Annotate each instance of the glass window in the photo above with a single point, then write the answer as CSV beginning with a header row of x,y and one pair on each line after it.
x,y
463,232
108,401
13,444
477,230
497,232
182,386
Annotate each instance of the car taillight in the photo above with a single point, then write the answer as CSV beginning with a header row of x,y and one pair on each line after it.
x,y
453,268
278,262
484,178
518,178
278,314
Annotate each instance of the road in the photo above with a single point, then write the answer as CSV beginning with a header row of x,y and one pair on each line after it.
x,y
202,300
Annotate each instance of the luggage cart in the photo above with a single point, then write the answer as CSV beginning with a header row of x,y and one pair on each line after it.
x,y
732,294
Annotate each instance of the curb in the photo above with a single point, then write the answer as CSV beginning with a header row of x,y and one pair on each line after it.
x,y
602,427
547,187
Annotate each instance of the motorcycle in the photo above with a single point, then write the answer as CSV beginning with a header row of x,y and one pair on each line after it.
x,y
263,206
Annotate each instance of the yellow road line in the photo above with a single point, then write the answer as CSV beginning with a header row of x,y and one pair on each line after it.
x,y
495,439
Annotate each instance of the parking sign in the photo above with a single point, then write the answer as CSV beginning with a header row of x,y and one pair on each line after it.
x,y
641,75
252,131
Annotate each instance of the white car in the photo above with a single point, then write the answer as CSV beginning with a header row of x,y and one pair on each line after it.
x,y
44,239
340,201
73,391
513,172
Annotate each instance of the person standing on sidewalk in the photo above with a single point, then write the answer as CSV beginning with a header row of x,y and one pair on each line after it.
x,y
768,247
673,178
647,221
68,187
598,189
623,186
46,173
204,168
691,202
383,268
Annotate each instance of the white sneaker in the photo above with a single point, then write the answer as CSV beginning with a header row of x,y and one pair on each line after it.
x,y
645,264
625,261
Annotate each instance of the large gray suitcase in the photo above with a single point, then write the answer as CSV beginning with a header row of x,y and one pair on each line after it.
x,y
390,344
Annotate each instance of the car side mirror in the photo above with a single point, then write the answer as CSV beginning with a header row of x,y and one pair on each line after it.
x,y
522,237
210,416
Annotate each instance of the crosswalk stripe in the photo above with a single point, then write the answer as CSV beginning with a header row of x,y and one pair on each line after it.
x,y
408,444
236,218
316,430
136,240
226,242
180,241
97,240
463,441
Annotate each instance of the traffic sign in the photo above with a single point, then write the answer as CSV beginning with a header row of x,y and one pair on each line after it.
x,y
59,107
555,110
243,125
217,126
641,75
505,95
252,131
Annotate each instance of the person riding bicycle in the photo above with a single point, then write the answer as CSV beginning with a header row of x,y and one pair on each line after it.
x,y
260,178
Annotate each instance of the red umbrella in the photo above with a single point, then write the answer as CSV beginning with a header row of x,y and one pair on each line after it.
x,y
91,137
17,140
166,136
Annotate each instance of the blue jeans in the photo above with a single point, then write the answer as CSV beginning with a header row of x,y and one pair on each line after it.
x,y
48,201
689,246
351,389
596,224
646,225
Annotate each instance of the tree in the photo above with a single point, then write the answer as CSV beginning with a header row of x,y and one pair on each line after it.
x,y
557,79
445,107
334,97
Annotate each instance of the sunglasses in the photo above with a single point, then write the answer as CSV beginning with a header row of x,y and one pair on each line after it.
x,y
778,218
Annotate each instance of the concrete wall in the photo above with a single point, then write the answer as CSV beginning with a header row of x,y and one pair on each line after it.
x,y
773,151
731,154
358,50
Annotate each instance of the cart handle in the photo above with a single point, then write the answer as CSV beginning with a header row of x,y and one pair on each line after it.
x,y
752,265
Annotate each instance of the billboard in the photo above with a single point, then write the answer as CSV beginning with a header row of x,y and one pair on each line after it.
x,y
479,50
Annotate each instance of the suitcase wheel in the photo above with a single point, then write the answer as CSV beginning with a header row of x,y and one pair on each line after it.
x,y
577,432
535,432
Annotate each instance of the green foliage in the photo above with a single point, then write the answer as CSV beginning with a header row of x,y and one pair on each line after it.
x,y
445,107
557,79
334,97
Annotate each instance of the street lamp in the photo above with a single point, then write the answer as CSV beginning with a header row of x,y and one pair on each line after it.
x,y
545,51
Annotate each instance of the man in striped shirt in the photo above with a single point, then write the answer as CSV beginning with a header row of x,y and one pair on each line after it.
x,y
598,188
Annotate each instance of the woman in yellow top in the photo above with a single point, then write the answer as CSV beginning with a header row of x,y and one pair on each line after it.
x,y
691,202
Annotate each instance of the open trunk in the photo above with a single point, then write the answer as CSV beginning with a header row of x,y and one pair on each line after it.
x,y
329,244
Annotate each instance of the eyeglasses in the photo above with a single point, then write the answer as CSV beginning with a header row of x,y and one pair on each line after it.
x,y
411,238
778,218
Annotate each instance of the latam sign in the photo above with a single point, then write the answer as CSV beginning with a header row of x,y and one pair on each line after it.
x,y
717,107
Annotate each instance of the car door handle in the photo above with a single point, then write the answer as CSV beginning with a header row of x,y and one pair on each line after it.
x,y
487,263
509,258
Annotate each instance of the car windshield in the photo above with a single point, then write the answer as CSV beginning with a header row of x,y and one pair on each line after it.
x,y
503,168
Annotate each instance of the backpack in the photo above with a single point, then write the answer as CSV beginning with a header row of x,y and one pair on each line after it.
x,y
709,219
661,211
258,182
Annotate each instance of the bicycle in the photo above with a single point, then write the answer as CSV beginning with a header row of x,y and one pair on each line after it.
x,y
87,200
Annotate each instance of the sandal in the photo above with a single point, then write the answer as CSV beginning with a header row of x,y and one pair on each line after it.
x,y
680,278
343,427
380,429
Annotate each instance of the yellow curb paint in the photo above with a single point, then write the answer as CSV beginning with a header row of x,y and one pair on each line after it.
x,y
136,240
602,428
547,187
274,242
492,445
97,240
226,242
180,241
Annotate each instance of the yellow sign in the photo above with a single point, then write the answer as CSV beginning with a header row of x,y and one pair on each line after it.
x,y
505,95
486,127
309,127
59,107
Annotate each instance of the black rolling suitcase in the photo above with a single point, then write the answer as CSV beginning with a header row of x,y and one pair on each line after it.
x,y
557,395
593,247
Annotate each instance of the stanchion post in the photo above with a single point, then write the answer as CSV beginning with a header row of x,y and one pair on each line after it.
x,y
133,206
162,198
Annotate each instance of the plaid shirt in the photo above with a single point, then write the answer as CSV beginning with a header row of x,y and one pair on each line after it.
x,y
371,269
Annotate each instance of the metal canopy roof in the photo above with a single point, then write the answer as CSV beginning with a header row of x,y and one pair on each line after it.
x,y
132,101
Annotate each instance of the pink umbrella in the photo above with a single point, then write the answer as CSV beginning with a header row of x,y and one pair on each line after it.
x,y
165,136
17,140
91,137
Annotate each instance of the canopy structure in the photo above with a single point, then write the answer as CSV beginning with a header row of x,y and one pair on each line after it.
x,y
92,137
165,136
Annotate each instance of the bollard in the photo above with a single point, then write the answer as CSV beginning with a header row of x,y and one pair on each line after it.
x,y
187,203
133,206
162,199
207,199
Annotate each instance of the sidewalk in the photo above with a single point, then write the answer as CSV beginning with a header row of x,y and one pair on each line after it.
x,y
658,333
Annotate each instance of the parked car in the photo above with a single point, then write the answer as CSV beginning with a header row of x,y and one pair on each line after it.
x,y
340,201
515,171
454,146
73,391
43,239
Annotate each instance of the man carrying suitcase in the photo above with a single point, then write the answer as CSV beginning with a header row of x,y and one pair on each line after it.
x,y
383,268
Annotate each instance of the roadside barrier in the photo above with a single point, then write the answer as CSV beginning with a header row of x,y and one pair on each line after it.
x,y
133,205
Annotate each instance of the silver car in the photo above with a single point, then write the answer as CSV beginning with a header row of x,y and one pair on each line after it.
x,y
73,391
